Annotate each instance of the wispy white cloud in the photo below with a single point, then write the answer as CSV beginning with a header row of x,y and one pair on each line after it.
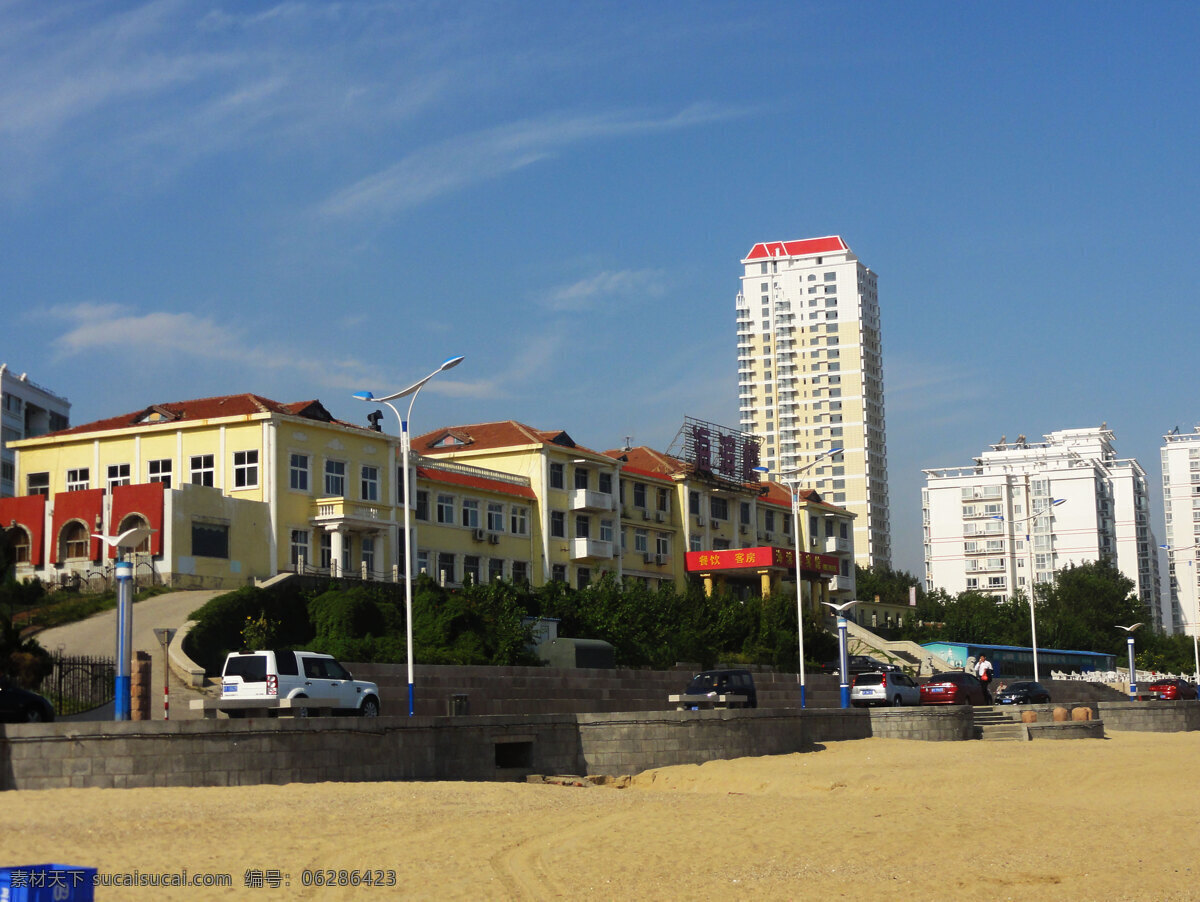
x,y
588,293
455,163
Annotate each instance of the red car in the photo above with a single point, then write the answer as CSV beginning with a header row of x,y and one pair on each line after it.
x,y
1173,690
953,688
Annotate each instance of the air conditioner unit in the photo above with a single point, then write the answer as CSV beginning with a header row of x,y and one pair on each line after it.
x,y
661,517
699,520
479,535
493,538
660,559
645,515
647,558
767,537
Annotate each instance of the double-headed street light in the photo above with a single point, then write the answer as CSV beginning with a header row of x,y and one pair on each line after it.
x,y
792,480
1032,576
411,393
124,543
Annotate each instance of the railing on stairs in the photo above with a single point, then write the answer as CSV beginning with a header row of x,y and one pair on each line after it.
x,y
910,654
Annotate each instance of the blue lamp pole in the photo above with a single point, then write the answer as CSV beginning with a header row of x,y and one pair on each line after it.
x,y
130,539
1132,665
405,448
843,659
792,480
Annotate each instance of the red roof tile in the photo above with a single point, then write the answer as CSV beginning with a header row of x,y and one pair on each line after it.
x,y
478,482
827,245
204,409
491,436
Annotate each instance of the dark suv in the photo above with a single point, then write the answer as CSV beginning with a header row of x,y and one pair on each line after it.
x,y
724,682
860,664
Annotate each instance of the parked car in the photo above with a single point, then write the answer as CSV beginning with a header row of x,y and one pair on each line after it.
x,y
1023,692
1173,690
884,689
860,664
953,688
295,675
724,682
19,705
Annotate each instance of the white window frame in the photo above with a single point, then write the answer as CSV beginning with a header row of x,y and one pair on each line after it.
x,y
245,469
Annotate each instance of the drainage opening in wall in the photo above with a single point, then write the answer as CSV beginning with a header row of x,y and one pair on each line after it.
x,y
514,753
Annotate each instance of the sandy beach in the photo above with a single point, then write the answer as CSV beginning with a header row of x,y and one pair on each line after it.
x,y
1105,819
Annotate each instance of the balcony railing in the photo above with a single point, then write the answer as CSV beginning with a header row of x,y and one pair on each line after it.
x,y
590,549
587,500
340,510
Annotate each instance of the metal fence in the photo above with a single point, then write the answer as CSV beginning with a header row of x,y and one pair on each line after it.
x,y
79,683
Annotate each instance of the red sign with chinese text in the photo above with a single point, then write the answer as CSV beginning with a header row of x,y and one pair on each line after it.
x,y
760,559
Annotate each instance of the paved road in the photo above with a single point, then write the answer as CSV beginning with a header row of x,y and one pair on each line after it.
x,y
98,636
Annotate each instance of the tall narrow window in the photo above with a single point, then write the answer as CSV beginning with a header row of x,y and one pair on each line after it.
x,y
370,483
298,472
335,479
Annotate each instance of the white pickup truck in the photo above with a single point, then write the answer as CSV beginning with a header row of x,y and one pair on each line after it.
x,y
301,681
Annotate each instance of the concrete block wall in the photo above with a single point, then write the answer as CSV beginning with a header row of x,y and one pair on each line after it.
x,y
953,723
1156,716
549,690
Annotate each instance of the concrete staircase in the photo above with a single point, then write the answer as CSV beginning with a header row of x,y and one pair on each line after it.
x,y
997,724
908,655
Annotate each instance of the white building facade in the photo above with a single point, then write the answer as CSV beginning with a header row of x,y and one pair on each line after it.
x,y
810,377
1181,506
26,410
1028,509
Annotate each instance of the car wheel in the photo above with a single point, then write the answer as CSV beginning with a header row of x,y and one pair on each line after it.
x,y
300,712
897,701
370,708
34,715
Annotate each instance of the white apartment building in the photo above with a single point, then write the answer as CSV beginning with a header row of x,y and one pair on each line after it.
x,y
1027,509
26,410
1181,505
810,377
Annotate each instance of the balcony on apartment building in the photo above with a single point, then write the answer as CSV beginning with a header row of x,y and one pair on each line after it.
x,y
588,500
584,549
836,545
343,512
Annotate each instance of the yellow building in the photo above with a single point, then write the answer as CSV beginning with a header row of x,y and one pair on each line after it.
x,y
239,488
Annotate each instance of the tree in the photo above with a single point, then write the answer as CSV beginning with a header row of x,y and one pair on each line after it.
x,y
1081,609
889,586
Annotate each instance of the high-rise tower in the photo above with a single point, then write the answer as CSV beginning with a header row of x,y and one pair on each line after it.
x,y
810,377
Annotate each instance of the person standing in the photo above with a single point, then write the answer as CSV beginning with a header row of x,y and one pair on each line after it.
x,y
984,670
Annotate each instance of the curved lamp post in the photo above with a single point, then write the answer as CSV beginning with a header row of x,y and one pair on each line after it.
x,y
1132,667
411,394
1032,578
843,660
126,541
792,480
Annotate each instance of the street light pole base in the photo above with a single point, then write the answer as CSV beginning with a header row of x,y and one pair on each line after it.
x,y
411,700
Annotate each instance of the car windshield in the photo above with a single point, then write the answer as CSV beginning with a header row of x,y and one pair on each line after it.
x,y
1020,687
704,682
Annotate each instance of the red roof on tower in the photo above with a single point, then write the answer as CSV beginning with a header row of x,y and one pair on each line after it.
x,y
797,248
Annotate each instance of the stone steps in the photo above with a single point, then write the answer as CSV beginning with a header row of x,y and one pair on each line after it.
x,y
995,725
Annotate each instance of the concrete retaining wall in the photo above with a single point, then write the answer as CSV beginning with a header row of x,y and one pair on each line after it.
x,y
1156,717
932,724
1069,729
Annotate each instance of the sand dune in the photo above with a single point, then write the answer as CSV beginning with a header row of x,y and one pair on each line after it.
x,y
871,819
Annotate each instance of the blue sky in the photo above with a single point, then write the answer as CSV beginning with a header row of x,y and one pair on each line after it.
x,y
306,199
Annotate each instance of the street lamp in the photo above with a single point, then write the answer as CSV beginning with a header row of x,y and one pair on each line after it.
x,y
125,542
843,661
1132,667
1032,577
793,484
405,448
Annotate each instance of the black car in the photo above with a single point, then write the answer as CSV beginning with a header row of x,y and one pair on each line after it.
x,y
724,682
1024,692
857,664
19,705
